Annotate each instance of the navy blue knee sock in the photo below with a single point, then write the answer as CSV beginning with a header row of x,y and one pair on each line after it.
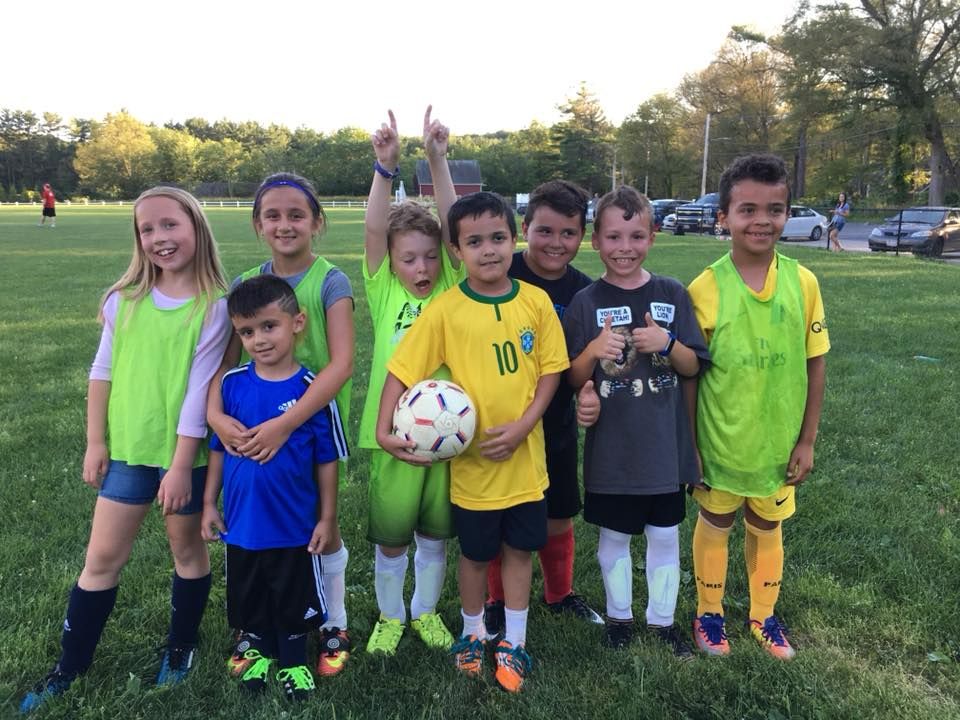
x,y
87,613
292,649
265,641
188,598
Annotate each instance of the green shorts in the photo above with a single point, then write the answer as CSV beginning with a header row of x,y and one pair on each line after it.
x,y
404,499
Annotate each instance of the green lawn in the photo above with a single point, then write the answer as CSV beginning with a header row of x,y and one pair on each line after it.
x,y
871,583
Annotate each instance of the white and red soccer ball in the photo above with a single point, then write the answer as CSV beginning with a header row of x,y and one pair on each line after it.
x,y
439,416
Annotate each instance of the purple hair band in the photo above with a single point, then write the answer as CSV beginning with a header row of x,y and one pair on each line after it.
x,y
289,183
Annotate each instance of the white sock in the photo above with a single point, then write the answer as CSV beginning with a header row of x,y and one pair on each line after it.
x,y
613,553
515,631
663,573
388,576
335,587
473,625
429,570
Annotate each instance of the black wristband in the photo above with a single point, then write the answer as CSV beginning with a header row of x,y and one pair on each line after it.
x,y
384,172
673,338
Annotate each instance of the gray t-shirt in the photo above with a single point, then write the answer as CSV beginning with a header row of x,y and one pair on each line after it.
x,y
641,444
335,285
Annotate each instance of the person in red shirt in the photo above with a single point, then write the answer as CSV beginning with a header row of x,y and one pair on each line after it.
x,y
49,206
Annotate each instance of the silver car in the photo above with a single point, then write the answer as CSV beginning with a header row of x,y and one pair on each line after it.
x,y
804,223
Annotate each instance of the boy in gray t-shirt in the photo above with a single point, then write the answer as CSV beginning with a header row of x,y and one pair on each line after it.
x,y
634,334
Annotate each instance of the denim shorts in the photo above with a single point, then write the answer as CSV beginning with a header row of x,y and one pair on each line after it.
x,y
139,484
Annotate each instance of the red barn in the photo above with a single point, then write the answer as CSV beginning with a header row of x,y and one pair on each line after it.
x,y
465,174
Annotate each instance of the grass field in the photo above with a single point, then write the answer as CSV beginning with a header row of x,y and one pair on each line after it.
x,y
872,575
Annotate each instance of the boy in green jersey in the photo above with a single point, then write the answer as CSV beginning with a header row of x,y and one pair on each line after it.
x,y
408,262
757,408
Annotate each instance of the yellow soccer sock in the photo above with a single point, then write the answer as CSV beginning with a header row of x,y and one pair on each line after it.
x,y
763,550
710,565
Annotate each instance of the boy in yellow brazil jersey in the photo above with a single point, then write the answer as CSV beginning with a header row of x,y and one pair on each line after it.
x,y
502,341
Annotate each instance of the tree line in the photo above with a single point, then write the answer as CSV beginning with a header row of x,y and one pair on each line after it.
x,y
863,98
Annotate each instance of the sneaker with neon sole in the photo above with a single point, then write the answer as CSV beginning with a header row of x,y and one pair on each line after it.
x,y
297,682
709,634
513,666
467,654
254,678
238,662
53,685
430,628
385,636
772,636
333,651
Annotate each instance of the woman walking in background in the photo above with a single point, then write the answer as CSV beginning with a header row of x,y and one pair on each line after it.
x,y
839,219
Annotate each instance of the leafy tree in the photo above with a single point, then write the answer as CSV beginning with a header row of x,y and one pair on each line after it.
x,y
651,146
220,161
741,90
175,160
118,159
903,54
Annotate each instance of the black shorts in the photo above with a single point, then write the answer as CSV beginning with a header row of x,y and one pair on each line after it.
x,y
563,494
275,589
49,212
631,513
482,532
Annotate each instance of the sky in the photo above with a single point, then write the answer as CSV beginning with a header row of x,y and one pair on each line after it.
x,y
485,65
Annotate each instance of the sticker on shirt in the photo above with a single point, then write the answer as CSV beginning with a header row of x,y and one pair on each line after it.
x,y
618,316
526,340
662,312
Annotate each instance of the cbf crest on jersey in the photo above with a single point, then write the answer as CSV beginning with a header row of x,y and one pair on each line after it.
x,y
526,340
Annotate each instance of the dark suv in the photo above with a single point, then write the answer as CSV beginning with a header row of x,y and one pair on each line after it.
x,y
662,208
922,230
699,216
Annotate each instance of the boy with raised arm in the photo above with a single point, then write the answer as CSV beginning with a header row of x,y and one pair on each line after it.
x,y
407,263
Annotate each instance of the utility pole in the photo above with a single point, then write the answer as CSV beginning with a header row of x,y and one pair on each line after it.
x,y
646,174
706,149
613,171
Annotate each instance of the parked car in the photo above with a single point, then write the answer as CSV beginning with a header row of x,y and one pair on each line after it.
x,y
669,222
922,230
662,208
804,224
698,216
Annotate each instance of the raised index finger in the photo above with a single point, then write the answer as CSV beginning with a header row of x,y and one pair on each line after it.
x,y
426,118
393,120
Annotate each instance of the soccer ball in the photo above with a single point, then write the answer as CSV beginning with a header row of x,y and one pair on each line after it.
x,y
439,416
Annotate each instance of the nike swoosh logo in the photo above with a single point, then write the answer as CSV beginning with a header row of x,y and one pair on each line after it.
x,y
778,503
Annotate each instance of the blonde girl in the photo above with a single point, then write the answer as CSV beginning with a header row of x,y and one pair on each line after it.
x,y
287,216
165,326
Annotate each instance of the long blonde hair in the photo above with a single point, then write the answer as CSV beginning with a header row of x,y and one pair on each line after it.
x,y
141,275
